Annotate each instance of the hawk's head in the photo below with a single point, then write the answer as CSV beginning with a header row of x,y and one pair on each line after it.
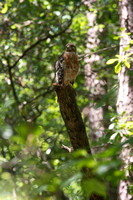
x,y
70,47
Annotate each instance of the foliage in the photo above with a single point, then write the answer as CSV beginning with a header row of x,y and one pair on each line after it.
x,y
121,60
33,34
126,58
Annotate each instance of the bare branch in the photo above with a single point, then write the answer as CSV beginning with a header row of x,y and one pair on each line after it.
x,y
101,50
66,148
49,90
12,83
72,117
39,41
98,51
46,37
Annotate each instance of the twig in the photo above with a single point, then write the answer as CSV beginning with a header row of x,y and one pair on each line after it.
x,y
66,148
45,38
28,49
100,50
12,83
39,41
49,90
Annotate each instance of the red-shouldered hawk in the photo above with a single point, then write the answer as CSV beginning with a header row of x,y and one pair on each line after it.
x,y
67,66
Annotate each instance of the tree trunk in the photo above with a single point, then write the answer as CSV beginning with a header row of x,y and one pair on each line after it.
x,y
94,85
72,117
125,92
75,126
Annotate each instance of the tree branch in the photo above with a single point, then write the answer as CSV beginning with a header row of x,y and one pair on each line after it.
x,y
40,40
72,117
12,83
49,90
66,148
100,50
46,37
75,128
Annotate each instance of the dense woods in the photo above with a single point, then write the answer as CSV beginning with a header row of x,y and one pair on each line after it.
x,y
64,142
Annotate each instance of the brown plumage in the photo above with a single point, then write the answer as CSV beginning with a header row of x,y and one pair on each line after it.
x,y
67,66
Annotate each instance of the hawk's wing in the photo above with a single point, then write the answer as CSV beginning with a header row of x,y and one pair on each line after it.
x,y
60,69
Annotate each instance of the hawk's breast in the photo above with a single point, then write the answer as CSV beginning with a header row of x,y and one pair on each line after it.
x,y
71,66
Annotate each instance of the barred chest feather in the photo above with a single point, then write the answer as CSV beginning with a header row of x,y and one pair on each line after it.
x,y
71,66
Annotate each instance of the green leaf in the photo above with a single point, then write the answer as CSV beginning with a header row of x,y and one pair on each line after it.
x,y
126,48
111,61
94,186
129,33
116,37
127,64
5,9
117,56
122,29
118,67
131,41
13,26
128,54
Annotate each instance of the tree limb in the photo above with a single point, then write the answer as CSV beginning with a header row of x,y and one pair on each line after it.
x,y
75,128
72,117
12,83
66,148
100,50
39,41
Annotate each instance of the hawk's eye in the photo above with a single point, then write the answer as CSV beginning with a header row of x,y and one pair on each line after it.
x,y
73,47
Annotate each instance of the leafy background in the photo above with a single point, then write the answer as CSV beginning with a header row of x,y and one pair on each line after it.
x,y
33,34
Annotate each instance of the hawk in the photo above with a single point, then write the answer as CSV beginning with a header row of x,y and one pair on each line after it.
x,y
67,66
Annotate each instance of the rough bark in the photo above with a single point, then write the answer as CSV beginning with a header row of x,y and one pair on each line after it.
x,y
94,85
125,92
75,127
72,117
